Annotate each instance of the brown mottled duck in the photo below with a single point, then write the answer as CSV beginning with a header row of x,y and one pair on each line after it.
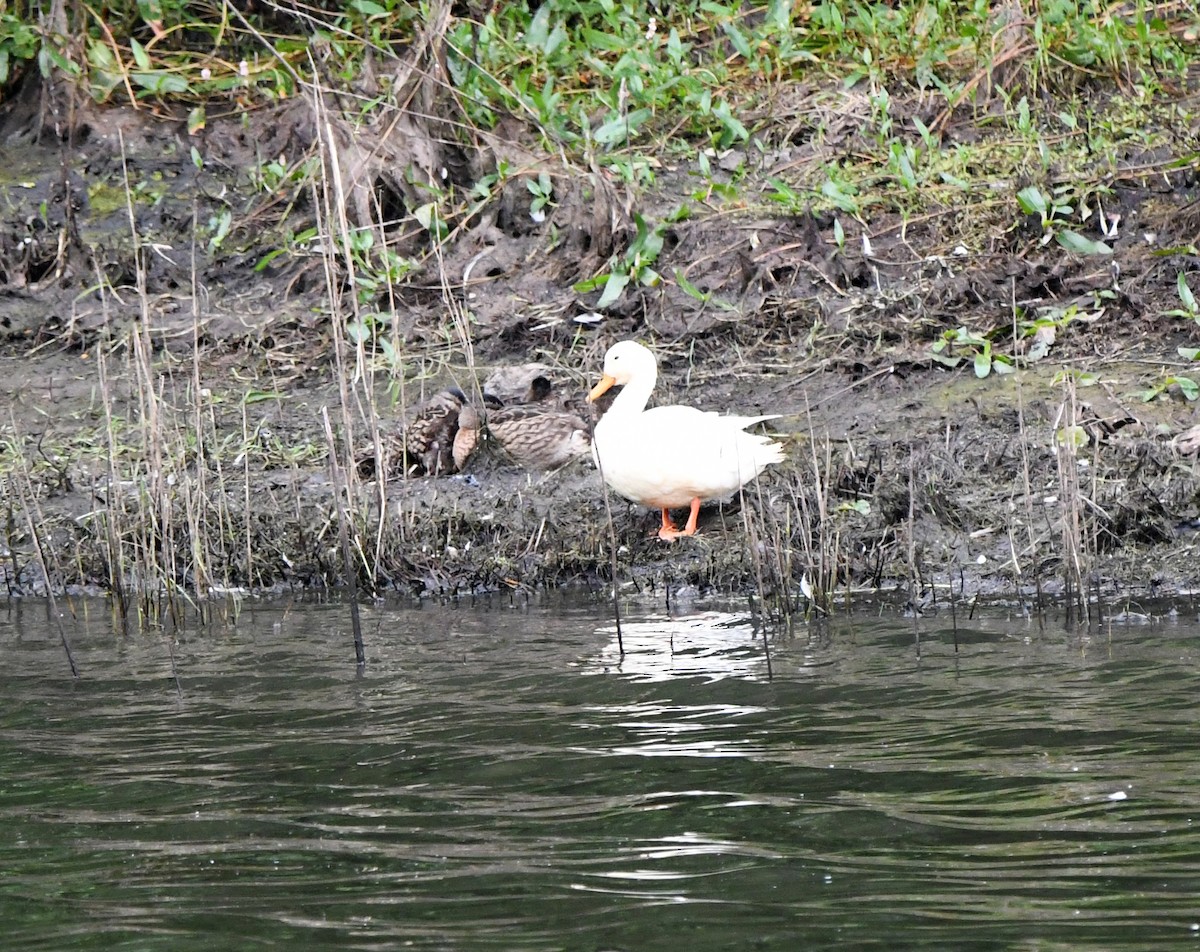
x,y
534,437
425,446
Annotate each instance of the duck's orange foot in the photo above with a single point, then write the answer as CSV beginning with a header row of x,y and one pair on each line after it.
x,y
670,532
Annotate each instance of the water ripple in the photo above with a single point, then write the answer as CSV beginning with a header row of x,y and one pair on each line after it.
x,y
506,779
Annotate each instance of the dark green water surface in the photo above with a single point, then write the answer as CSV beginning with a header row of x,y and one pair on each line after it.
x,y
500,778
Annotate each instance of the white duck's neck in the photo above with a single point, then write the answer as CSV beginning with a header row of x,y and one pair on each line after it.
x,y
634,396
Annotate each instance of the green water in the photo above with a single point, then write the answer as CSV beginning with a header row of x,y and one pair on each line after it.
x,y
501,778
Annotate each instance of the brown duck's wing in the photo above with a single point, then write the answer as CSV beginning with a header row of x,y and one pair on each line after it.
x,y
537,438
429,435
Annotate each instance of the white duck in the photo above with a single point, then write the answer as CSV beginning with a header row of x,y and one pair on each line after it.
x,y
674,456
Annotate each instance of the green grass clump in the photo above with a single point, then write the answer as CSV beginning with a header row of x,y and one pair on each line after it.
x,y
595,77
598,72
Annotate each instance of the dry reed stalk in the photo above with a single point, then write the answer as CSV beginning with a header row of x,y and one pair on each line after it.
x,y
247,510
222,511
357,388
154,520
803,524
195,496
753,536
24,492
828,550
1027,491
202,512
809,517
341,491
10,540
193,490
1092,540
752,523
141,549
612,542
397,381
193,518
114,506
913,571
775,606
1071,528
155,543
1026,484
331,203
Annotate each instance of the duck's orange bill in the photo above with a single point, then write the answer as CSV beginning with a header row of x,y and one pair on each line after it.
x,y
605,382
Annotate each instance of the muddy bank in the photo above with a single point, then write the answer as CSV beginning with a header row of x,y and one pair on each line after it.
x,y
166,387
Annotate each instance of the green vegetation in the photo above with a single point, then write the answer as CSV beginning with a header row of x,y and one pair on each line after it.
x,y
622,88
985,360
602,80
1186,387
1190,309
634,265
1032,338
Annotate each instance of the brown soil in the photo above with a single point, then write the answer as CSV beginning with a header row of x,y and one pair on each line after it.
x,y
924,473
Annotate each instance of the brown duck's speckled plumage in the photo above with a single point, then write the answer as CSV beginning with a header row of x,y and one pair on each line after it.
x,y
422,447
429,435
533,437
521,415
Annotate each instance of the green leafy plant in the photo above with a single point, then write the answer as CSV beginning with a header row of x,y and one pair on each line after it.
x,y
704,297
218,228
785,195
1186,386
1050,210
1034,201
635,265
902,160
542,191
1042,331
621,70
839,234
377,268
1079,378
430,216
274,175
1073,436
976,346
18,41
727,191
1190,309
299,243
